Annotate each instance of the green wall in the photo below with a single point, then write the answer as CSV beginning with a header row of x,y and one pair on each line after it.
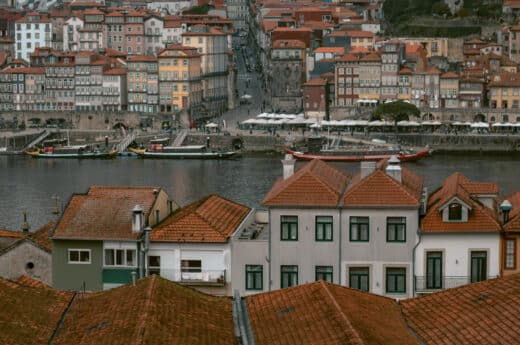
x,y
118,275
67,276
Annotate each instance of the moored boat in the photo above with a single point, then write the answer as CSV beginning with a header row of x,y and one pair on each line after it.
x,y
181,152
78,151
359,156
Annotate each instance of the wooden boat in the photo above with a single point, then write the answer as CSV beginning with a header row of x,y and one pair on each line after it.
x,y
181,152
402,156
78,151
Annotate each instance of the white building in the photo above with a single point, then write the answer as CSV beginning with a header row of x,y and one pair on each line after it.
x,y
153,34
114,89
193,247
32,31
169,6
71,33
460,236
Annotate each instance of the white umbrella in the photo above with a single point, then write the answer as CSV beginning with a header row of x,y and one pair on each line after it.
x,y
479,125
403,123
262,115
211,125
377,123
246,96
249,121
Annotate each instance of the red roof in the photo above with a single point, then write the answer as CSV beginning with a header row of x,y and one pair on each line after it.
x,y
288,44
11,234
449,75
334,50
380,189
321,313
141,58
316,82
481,313
360,34
115,71
513,224
212,219
316,184
104,213
480,218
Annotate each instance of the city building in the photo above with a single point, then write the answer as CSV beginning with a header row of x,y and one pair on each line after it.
x,y
32,31
509,257
315,103
71,32
142,84
88,80
60,86
449,90
114,89
504,91
92,35
153,34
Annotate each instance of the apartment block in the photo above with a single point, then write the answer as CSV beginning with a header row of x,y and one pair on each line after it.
x,y
142,84
31,32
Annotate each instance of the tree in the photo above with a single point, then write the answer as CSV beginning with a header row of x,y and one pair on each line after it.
x,y
396,111
441,9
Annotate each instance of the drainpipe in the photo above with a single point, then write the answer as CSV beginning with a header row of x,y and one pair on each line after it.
x,y
147,232
269,282
413,260
340,244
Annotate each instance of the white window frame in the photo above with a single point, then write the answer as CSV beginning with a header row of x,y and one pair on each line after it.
x,y
125,250
79,256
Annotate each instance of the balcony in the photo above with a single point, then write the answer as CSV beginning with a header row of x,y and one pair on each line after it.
x,y
201,278
447,282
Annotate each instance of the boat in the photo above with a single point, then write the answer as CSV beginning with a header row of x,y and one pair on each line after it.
x,y
181,152
77,151
403,156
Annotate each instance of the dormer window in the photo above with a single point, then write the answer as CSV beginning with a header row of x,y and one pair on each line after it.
x,y
455,211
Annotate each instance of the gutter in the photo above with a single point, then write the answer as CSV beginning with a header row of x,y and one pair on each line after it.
x,y
413,261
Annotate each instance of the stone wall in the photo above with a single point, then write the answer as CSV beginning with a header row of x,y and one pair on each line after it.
x,y
27,259
249,143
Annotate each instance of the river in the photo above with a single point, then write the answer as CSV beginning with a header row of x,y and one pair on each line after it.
x,y
30,184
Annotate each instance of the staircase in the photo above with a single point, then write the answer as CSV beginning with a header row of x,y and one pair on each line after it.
x,y
126,141
179,139
38,139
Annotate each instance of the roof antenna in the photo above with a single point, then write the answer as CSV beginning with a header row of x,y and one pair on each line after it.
x,y
25,225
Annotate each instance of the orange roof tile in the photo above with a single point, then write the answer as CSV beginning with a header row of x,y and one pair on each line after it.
x,y
11,233
449,75
212,219
155,311
316,82
480,313
42,236
30,282
480,219
316,184
321,313
371,57
29,315
335,50
360,34
284,44
104,213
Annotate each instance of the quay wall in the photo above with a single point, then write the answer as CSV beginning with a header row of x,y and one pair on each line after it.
x,y
455,143
246,143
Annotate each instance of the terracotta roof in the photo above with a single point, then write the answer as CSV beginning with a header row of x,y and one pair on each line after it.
x,y
104,213
480,313
115,71
360,34
405,70
30,282
155,311
513,224
334,50
505,79
42,236
141,58
321,313
316,82
212,219
480,218
316,184
288,44
449,75
348,58
29,315
11,233
372,57
380,189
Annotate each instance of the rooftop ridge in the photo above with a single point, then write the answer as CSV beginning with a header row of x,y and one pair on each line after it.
x,y
141,328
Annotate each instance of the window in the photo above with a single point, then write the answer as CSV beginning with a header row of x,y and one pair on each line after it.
x,y
120,257
154,265
190,266
289,228
396,280
289,276
455,211
358,278
359,229
324,273
254,277
434,270
478,266
396,229
510,253
323,228
79,256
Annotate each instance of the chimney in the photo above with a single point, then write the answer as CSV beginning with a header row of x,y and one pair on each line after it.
x,y
137,219
288,166
394,168
367,168
25,225
505,207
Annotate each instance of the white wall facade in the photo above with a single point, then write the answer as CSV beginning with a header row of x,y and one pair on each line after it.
x,y
27,259
71,34
29,36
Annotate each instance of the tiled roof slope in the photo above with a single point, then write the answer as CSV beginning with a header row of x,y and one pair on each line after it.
x,y
481,313
513,224
322,313
31,282
104,213
315,184
29,315
211,219
42,236
480,218
11,233
380,189
155,311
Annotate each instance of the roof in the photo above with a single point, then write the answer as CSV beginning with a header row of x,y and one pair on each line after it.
x,y
324,313
42,236
284,44
513,224
380,189
316,82
481,313
505,79
480,218
29,314
334,50
11,233
104,213
371,57
449,75
141,58
154,311
115,71
316,184
360,34
212,219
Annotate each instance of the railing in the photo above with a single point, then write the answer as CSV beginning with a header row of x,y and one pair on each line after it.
x,y
447,282
203,277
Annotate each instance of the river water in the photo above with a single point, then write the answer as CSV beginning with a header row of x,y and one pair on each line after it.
x,y
30,184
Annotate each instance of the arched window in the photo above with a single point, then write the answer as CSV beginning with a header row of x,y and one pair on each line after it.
x,y
492,119
452,117
505,118
455,211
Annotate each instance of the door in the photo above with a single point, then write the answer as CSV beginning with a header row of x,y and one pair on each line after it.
x,y
478,266
434,270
